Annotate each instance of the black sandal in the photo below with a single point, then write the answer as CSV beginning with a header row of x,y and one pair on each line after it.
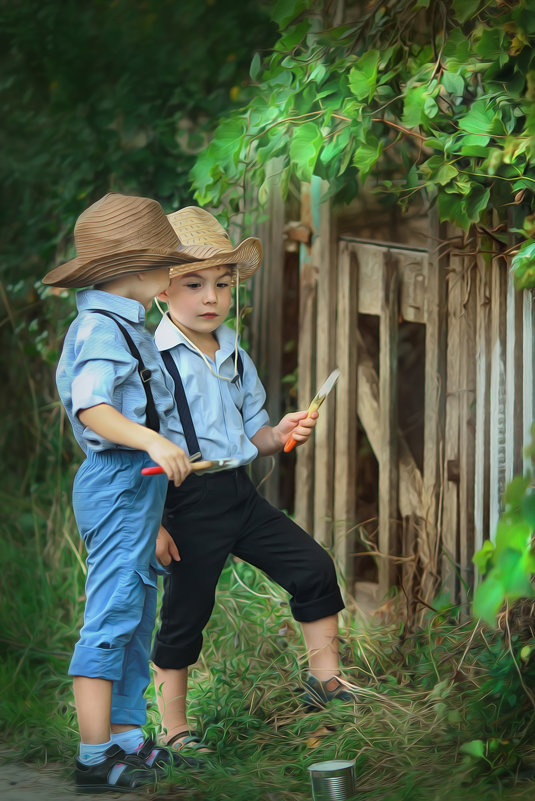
x,y
190,741
96,778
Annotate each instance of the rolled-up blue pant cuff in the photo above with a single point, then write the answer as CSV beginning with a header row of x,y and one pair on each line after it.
x,y
97,663
122,711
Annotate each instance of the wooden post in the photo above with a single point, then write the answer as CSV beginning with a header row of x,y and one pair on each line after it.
x,y
482,441
497,392
304,470
434,405
450,520
467,389
388,461
345,465
325,253
267,322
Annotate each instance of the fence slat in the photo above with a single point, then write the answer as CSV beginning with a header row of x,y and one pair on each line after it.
x,y
304,469
324,256
450,517
345,463
498,278
388,397
467,387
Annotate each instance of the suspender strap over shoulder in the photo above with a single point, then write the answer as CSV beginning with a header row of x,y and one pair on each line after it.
x,y
182,404
152,418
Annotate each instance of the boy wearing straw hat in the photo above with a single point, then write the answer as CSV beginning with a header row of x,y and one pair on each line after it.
x,y
119,400
221,404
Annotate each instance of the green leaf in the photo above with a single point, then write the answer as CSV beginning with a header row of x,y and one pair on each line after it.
x,y
304,148
413,106
256,64
523,265
287,10
483,558
363,76
514,577
488,598
228,140
475,748
528,508
445,174
465,9
453,83
515,491
479,119
477,201
366,155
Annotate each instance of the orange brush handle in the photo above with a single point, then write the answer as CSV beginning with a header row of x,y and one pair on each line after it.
x,y
289,444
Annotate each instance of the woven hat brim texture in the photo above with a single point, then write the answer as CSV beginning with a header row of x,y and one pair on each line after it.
x,y
247,257
119,235
78,273
202,236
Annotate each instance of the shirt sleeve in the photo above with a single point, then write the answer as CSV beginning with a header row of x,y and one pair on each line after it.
x,y
253,412
101,364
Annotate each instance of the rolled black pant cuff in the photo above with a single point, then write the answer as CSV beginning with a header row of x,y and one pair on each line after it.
x,y
170,657
310,611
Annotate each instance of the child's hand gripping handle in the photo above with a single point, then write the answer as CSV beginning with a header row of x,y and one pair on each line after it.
x,y
321,394
206,466
156,470
290,443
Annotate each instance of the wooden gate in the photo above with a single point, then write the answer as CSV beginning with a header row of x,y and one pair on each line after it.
x,y
433,331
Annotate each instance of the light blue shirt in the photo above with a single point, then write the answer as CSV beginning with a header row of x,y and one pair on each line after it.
x,y
96,367
225,415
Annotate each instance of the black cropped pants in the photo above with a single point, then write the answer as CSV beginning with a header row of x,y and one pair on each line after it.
x,y
212,516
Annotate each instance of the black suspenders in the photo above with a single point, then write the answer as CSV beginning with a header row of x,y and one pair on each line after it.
x,y
182,402
153,420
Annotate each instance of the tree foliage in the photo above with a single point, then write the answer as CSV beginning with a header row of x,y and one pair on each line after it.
x,y
423,97
106,95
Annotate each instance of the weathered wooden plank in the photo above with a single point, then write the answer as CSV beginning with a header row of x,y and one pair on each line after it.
x,y
513,381
498,277
434,409
482,438
324,256
266,323
304,470
345,448
467,389
450,519
410,491
388,461
528,391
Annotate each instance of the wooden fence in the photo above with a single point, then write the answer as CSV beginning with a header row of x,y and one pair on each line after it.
x,y
405,476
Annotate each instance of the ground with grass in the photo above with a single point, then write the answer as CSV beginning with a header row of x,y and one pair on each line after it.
x,y
443,712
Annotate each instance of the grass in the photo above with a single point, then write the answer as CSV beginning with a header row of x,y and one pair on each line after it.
x,y
429,699
444,712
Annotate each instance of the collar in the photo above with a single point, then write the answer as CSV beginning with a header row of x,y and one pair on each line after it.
x,y
131,310
167,336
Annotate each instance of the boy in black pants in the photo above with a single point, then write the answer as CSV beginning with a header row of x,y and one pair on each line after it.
x,y
221,402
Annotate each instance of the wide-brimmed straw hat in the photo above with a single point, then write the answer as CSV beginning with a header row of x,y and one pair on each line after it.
x,y
119,234
203,237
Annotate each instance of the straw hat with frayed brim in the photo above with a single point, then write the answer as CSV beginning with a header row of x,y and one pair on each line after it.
x,y
117,235
204,238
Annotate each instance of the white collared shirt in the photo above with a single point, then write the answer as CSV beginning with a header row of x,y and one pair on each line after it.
x,y
96,367
225,415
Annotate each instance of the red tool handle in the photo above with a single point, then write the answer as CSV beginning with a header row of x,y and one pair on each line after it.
x,y
151,471
290,444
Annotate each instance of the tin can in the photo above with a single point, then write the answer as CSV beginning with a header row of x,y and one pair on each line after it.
x,y
333,780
